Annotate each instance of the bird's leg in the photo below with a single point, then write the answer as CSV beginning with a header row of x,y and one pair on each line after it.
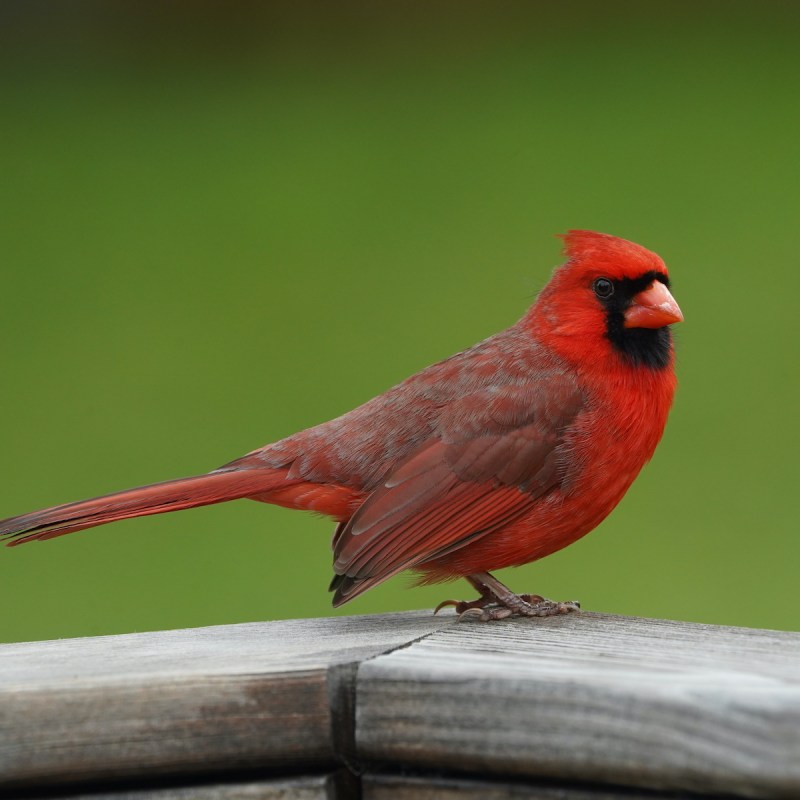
x,y
497,601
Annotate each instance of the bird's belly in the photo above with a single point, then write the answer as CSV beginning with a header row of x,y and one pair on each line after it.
x,y
551,526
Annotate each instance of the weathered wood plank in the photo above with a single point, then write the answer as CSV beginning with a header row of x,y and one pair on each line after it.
x,y
317,787
397,787
593,698
584,698
182,702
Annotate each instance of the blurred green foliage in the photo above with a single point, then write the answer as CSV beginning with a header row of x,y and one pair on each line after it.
x,y
217,228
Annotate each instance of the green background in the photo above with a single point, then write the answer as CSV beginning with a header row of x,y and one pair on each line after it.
x,y
222,223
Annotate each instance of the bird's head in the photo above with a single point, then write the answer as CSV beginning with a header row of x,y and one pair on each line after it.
x,y
611,296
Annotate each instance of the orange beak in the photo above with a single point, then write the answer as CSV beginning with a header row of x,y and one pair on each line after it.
x,y
655,307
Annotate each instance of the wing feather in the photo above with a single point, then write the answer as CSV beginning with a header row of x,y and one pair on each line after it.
x,y
495,456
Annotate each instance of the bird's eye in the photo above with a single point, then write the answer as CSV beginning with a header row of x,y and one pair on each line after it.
x,y
603,288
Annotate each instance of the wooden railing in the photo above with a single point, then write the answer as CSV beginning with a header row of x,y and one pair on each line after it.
x,y
402,706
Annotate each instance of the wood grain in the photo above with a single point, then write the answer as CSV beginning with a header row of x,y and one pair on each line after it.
x,y
182,702
317,787
398,787
588,700
631,702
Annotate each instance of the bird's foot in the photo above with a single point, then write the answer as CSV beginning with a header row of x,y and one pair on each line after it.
x,y
497,601
486,600
503,610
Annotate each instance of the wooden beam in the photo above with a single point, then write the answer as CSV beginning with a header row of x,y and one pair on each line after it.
x,y
315,787
403,787
184,702
539,705
592,698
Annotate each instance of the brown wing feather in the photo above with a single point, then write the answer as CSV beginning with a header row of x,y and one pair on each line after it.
x,y
496,455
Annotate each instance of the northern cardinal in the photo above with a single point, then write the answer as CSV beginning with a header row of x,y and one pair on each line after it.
x,y
495,457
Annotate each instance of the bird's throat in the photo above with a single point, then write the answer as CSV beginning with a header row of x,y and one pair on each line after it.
x,y
640,347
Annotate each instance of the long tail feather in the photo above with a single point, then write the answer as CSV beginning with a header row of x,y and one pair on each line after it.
x,y
158,498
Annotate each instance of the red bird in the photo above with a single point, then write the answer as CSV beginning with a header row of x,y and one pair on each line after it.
x,y
495,457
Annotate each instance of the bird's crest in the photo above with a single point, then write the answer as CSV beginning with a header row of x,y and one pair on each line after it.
x,y
616,257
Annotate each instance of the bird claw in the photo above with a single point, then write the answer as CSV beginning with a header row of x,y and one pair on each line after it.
x,y
463,606
551,608
543,608
444,604
523,605
486,613
499,602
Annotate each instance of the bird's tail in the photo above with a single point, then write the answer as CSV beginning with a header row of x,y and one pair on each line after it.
x,y
158,498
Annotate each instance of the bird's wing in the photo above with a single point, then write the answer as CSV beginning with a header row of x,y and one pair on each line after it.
x,y
497,452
